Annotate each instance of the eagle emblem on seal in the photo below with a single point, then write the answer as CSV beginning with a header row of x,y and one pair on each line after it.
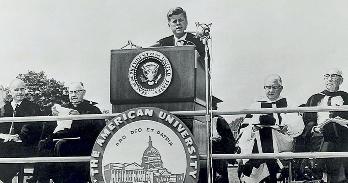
x,y
150,70
150,73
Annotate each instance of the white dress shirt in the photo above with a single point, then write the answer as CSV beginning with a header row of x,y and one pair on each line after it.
x,y
180,41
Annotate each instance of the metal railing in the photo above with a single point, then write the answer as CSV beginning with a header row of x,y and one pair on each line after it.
x,y
283,155
183,113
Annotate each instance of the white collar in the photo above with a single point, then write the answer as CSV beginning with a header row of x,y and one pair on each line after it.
x,y
266,99
14,104
183,38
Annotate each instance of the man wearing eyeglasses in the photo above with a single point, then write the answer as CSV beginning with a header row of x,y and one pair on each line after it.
x,y
321,133
267,133
76,138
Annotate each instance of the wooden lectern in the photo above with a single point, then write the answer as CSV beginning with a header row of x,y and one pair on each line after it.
x,y
186,91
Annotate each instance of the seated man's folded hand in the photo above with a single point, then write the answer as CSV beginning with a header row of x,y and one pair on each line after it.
x,y
74,112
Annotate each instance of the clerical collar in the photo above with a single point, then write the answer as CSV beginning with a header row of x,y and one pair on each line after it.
x,y
176,40
328,93
279,103
265,99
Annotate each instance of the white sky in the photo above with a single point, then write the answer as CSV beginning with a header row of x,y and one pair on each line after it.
x,y
71,41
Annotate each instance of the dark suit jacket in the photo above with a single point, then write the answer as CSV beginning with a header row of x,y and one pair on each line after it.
x,y
29,132
191,40
310,118
87,130
332,132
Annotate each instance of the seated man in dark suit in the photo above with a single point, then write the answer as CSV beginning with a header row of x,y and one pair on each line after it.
x,y
76,139
18,139
177,22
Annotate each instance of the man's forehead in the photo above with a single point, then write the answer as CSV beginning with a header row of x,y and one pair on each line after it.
x,y
174,17
334,71
272,80
75,86
17,83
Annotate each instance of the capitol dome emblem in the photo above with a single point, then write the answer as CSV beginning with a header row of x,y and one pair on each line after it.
x,y
145,145
150,73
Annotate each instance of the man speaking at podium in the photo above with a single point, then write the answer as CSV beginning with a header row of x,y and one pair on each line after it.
x,y
177,22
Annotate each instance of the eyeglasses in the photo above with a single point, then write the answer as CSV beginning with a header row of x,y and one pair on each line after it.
x,y
77,92
333,76
273,87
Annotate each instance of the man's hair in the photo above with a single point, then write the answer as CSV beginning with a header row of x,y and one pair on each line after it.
x,y
16,81
75,83
176,11
274,77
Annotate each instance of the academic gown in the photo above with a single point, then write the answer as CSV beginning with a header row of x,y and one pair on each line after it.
x,y
334,137
260,133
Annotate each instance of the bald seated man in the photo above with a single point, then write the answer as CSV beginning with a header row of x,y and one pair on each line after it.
x,y
268,133
329,137
85,132
18,139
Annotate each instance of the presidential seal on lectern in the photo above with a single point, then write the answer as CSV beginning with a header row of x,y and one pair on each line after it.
x,y
150,73
145,145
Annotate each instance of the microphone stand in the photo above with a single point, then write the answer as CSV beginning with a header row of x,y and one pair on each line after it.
x,y
204,35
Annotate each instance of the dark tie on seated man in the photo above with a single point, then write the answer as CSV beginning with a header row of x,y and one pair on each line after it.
x,y
324,135
177,22
76,138
18,139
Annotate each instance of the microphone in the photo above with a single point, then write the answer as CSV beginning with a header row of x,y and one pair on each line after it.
x,y
203,30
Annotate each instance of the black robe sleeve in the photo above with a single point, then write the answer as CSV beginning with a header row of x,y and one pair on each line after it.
x,y
310,118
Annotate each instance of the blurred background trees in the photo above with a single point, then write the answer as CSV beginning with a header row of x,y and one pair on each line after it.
x,y
44,91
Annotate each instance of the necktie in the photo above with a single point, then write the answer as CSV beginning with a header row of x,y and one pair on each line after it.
x,y
180,43
15,110
329,104
14,114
